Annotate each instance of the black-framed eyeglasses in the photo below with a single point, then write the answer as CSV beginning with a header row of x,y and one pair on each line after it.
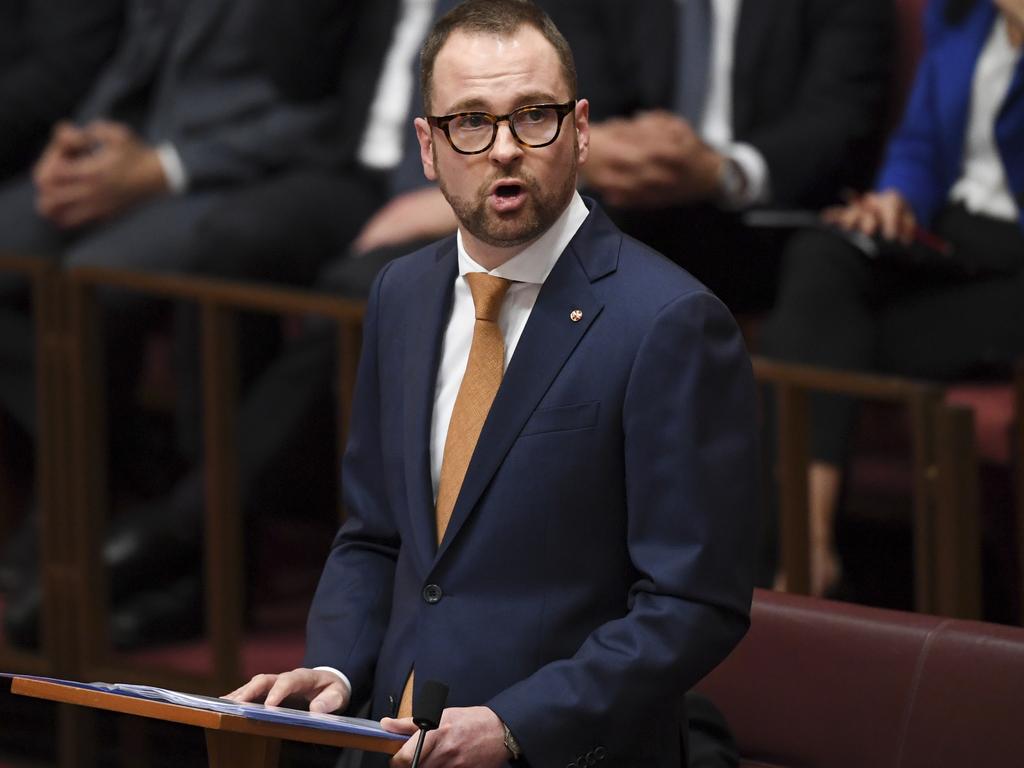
x,y
535,125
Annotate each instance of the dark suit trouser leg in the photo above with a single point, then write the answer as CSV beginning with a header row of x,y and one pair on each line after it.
x,y
280,230
24,233
838,309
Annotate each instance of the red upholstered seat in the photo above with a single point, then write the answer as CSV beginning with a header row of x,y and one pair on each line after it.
x,y
820,683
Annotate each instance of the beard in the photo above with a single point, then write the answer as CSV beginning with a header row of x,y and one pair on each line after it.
x,y
540,210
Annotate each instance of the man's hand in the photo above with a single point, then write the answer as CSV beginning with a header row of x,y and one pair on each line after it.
x,y
468,737
324,690
886,214
67,143
653,160
93,173
422,214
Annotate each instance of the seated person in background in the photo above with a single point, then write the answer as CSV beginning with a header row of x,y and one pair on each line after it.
x,y
50,53
728,104
955,166
181,114
602,412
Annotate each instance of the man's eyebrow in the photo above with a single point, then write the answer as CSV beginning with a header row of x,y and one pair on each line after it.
x,y
477,104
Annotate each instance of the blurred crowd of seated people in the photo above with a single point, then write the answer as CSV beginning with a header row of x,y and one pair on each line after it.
x,y
266,141
942,296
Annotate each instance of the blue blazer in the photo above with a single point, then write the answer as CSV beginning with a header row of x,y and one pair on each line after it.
x,y
599,559
925,156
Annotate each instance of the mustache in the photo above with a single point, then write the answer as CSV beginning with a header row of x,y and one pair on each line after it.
x,y
528,180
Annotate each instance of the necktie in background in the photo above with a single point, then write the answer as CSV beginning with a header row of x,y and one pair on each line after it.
x,y
694,56
484,369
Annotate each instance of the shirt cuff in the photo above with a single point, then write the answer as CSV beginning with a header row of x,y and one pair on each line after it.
x,y
174,169
752,165
345,681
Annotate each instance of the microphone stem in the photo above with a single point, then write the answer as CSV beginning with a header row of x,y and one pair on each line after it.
x,y
419,746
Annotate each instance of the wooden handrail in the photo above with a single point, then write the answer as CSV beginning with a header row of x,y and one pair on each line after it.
x,y
238,295
219,302
868,386
945,530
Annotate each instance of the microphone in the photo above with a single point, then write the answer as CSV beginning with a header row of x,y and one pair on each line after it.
x,y
427,705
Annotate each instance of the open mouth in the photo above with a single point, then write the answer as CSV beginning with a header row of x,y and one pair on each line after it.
x,y
508,196
508,190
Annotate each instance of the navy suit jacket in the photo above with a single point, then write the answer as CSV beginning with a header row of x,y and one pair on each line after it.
x,y
599,559
925,156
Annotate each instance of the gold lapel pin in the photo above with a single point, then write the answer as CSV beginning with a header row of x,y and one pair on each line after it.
x,y
576,315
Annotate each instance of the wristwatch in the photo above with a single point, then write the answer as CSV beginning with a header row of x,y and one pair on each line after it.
x,y
511,744
732,182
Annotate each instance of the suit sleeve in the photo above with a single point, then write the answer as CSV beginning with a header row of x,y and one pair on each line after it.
x,y
314,72
65,43
827,135
913,159
308,47
691,476
352,604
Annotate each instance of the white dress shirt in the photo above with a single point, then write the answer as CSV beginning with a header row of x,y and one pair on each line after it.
x,y
716,126
384,138
527,271
983,187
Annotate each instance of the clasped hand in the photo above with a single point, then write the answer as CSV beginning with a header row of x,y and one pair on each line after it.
x,y
468,737
87,174
653,160
885,214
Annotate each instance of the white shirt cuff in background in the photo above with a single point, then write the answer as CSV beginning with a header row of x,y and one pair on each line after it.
x,y
755,170
174,170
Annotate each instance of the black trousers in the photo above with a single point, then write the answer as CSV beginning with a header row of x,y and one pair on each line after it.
x,y
839,309
892,314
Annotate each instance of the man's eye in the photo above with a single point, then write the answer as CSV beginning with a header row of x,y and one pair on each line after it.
x,y
533,116
472,122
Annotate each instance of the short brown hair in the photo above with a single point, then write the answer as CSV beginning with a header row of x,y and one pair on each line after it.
x,y
496,17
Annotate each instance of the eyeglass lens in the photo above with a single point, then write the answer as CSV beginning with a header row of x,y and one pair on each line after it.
x,y
533,126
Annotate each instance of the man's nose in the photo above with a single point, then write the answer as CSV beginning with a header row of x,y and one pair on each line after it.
x,y
505,148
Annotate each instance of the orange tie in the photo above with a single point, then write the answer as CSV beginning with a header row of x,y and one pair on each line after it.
x,y
480,383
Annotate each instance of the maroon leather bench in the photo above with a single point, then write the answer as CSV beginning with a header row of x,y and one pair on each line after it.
x,y
817,683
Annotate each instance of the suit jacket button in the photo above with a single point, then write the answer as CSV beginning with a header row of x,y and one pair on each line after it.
x,y
432,594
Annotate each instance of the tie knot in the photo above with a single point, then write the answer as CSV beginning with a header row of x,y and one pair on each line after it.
x,y
488,293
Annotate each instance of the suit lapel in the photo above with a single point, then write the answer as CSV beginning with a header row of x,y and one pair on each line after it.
x,y
960,49
198,20
547,342
752,29
1010,137
427,320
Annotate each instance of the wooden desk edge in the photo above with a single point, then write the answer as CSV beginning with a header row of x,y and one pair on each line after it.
x,y
174,713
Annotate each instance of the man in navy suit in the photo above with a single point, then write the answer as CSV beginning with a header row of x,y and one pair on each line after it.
x,y
598,559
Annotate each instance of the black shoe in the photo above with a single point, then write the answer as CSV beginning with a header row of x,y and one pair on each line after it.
x,y
170,614
150,546
154,618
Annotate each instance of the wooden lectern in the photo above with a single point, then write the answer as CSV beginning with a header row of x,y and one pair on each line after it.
x,y
230,740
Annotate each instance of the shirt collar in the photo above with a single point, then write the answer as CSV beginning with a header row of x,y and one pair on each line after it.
x,y
536,261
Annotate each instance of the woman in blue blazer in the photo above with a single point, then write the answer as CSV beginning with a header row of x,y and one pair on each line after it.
x,y
921,276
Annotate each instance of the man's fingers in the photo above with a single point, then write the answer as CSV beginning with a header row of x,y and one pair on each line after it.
x,y
403,757
69,137
330,699
255,690
398,725
286,685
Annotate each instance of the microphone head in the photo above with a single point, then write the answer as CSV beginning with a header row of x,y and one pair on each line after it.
x,y
428,703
